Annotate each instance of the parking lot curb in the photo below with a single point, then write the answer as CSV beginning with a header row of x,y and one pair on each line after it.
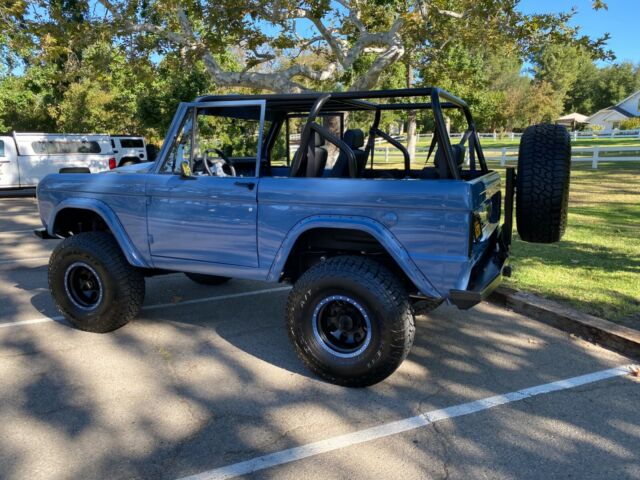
x,y
616,337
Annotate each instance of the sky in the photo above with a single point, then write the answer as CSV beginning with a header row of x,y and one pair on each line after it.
x,y
621,20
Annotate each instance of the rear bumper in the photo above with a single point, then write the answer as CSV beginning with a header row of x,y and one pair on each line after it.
x,y
486,281
486,275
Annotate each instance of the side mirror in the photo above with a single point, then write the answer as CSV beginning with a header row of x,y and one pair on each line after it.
x,y
185,169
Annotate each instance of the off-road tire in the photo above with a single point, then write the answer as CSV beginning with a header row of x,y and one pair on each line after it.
x,y
122,284
385,302
542,185
207,279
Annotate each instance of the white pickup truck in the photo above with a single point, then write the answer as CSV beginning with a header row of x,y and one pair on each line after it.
x,y
26,158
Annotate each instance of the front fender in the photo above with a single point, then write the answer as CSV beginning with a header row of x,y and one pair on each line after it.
x,y
365,224
110,218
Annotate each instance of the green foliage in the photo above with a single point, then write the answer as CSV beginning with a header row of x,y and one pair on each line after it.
x,y
598,88
71,67
559,66
630,124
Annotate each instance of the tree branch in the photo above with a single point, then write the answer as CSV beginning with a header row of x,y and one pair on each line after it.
x,y
388,46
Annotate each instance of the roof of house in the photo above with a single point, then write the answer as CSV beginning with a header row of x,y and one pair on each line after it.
x,y
622,111
618,108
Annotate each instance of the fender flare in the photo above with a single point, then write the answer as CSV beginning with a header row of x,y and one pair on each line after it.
x,y
374,228
110,218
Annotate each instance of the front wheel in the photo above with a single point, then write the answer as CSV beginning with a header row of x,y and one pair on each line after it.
x,y
92,283
350,321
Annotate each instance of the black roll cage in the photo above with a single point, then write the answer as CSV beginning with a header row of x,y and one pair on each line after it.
x,y
282,106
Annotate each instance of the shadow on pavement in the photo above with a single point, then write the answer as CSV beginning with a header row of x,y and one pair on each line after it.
x,y
189,388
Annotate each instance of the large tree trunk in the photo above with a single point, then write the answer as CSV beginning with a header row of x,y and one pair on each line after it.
x,y
411,115
333,124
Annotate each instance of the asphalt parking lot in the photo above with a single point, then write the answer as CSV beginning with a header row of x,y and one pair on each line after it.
x,y
205,383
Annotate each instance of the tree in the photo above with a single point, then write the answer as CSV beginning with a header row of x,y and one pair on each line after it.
x,y
102,94
581,97
598,88
559,65
271,36
614,83
257,45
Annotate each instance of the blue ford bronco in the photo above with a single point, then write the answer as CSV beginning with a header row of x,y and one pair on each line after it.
x,y
276,188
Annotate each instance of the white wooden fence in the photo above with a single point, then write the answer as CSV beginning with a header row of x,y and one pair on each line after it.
x,y
575,135
505,155
578,154
295,137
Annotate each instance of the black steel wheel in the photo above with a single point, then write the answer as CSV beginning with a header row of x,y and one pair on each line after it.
x,y
342,326
350,321
92,283
83,286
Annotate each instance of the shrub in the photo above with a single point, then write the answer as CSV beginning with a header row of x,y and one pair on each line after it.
x,y
630,124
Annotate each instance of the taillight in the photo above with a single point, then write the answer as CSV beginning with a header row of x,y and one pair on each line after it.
x,y
476,225
112,163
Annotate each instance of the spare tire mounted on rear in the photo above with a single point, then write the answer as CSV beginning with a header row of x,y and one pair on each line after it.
x,y
542,185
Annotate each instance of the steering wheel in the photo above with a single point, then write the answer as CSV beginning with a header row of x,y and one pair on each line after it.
x,y
219,164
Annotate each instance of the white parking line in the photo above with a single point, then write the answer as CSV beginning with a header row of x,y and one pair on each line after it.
x,y
157,306
393,428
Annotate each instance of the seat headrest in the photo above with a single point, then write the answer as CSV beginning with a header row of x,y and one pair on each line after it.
x,y
354,138
440,162
318,140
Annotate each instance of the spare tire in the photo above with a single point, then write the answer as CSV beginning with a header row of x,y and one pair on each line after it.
x,y
542,183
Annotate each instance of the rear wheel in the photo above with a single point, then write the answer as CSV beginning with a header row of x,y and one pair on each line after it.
x,y
207,279
542,185
92,283
350,320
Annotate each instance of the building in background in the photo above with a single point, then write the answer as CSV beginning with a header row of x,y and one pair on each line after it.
x,y
610,118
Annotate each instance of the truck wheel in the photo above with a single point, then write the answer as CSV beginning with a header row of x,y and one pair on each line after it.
x,y
207,279
92,283
542,185
350,321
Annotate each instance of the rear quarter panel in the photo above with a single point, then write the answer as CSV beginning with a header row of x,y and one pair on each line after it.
x,y
430,219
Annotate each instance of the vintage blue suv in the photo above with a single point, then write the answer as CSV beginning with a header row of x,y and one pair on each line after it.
x,y
277,188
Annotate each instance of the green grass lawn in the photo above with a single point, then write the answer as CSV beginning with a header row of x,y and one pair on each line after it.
x,y
596,266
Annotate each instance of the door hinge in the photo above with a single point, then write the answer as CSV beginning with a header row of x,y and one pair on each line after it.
x,y
148,200
150,237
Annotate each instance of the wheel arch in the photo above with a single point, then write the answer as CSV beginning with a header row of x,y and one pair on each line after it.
x,y
366,229
77,215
